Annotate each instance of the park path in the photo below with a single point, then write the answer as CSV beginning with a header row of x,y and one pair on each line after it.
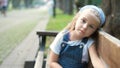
x,y
29,46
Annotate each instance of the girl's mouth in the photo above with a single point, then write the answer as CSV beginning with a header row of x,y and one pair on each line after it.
x,y
82,31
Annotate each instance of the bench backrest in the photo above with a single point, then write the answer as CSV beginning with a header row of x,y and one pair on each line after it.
x,y
109,48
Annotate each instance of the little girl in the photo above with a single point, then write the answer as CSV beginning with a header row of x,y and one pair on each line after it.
x,y
74,45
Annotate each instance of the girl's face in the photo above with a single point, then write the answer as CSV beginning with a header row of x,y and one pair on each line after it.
x,y
87,23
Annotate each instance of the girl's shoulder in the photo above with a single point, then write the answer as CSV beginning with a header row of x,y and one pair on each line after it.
x,y
63,32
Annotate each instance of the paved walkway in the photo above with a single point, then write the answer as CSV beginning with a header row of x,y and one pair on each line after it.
x,y
27,49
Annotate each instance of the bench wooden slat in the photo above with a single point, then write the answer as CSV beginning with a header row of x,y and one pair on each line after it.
x,y
47,33
39,60
47,64
109,48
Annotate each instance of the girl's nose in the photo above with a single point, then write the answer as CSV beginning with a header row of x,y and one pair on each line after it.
x,y
85,26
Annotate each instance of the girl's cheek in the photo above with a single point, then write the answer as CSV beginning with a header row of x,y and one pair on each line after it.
x,y
90,33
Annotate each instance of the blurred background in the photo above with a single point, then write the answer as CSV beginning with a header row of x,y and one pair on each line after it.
x,y
18,18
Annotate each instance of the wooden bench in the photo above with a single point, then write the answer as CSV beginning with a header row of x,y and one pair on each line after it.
x,y
109,48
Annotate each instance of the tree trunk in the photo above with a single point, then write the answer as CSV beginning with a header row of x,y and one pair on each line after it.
x,y
68,7
112,11
60,4
54,9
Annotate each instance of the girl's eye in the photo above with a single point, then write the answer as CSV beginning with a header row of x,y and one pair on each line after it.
x,y
83,20
91,26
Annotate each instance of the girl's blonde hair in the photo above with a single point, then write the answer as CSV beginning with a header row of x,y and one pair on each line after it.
x,y
71,25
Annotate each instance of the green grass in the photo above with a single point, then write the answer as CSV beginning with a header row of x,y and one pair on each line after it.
x,y
11,38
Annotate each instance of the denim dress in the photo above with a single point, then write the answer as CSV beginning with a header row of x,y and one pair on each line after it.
x,y
70,56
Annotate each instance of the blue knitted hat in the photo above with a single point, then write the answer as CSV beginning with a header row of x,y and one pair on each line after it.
x,y
99,10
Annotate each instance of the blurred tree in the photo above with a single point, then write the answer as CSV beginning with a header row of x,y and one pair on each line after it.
x,y
90,1
112,11
23,3
54,8
9,1
95,2
79,3
66,6
16,3
28,3
37,3
60,4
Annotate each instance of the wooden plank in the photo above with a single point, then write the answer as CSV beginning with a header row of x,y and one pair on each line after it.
x,y
47,61
109,48
39,60
47,33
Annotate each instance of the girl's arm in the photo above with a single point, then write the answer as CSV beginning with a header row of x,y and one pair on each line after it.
x,y
96,61
53,60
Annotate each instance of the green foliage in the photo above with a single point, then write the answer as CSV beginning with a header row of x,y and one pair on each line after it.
x,y
96,2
